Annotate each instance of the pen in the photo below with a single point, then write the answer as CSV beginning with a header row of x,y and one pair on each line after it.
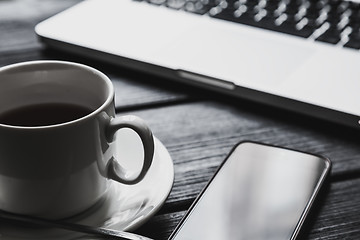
x,y
103,232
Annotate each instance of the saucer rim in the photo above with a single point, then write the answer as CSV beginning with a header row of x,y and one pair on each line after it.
x,y
130,226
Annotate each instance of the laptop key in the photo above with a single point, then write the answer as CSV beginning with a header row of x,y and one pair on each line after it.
x,y
354,39
295,17
175,4
353,44
332,35
290,28
157,2
267,22
196,7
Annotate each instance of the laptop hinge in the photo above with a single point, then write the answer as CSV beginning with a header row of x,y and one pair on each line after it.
x,y
206,80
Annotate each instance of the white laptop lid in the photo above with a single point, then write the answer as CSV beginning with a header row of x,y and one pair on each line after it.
x,y
286,71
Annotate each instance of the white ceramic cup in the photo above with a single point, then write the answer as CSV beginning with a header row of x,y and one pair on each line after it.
x,y
56,171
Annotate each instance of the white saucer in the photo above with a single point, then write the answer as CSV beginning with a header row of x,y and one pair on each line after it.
x,y
124,208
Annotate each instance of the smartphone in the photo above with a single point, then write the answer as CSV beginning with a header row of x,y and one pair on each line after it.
x,y
259,192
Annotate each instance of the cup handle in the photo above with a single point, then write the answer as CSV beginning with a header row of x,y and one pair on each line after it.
x,y
114,170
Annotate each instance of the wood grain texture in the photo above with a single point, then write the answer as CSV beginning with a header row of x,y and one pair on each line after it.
x,y
334,216
200,135
136,90
19,43
199,128
18,19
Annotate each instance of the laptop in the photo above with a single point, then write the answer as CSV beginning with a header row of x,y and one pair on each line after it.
x,y
300,55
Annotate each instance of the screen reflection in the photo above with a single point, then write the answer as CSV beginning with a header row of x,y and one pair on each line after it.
x,y
260,193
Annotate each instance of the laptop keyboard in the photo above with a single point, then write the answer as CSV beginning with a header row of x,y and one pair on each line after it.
x,y
331,21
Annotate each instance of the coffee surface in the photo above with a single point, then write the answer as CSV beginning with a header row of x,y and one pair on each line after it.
x,y
43,114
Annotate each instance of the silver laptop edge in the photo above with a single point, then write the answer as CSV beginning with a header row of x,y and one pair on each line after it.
x,y
277,69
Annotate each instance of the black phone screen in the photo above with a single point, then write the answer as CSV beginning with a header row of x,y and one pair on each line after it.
x,y
260,192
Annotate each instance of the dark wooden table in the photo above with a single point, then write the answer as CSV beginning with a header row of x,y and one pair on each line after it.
x,y
199,128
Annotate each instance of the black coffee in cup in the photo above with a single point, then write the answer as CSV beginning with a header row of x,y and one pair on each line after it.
x,y
46,167
43,114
